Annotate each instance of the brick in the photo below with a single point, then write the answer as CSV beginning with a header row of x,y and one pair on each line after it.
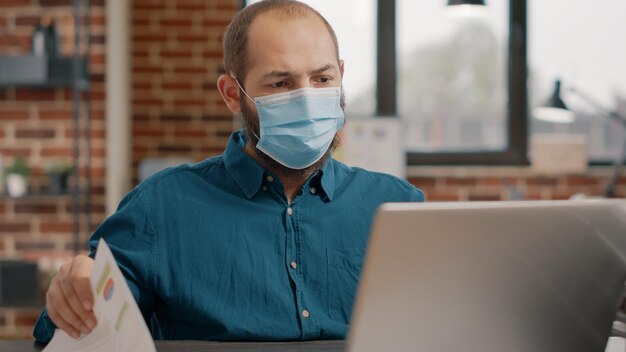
x,y
140,21
422,181
541,181
37,133
94,133
35,208
216,22
95,209
35,95
148,132
56,152
142,86
193,133
98,39
55,227
150,102
174,117
218,117
212,54
187,38
55,2
189,102
12,41
177,86
148,6
27,20
173,149
64,114
147,69
149,38
223,133
175,22
442,197
11,3
16,152
484,197
13,115
13,227
580,181
176,54
458,181
190,69
26,319
209,86
497,181
26,245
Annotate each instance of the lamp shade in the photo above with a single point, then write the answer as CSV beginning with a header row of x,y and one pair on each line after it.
x,y
554,110
466,2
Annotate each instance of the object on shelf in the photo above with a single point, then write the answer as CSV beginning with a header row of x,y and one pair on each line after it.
x,y
17,178
41,71
45,41
58,174
18,283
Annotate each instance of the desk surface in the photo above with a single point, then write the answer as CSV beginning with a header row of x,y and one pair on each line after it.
x,y
191,346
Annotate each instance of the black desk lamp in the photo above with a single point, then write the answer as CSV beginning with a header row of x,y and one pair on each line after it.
x,y
555,111
466,2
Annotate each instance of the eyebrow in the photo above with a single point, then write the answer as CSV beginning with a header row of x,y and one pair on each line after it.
x,y
291,73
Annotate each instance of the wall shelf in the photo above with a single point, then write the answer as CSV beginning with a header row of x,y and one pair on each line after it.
x,y
41,72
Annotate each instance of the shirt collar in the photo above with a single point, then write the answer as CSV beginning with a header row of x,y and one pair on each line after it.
x,y
248,174
242,168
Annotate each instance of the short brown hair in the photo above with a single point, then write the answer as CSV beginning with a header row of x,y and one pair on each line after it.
x,y
236,34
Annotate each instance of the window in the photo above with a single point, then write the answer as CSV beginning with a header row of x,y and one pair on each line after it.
x,y
580,42
452,91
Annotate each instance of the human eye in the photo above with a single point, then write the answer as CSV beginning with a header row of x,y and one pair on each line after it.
x,y
324,80
280,84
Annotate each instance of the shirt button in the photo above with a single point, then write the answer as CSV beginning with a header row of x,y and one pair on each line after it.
x,y
269,178
294,265
264,188
289,211
313,190
305,313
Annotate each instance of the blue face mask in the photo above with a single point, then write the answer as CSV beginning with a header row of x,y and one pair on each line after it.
x,y
297,127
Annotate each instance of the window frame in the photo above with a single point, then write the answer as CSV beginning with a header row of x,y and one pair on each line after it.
x,y
516,152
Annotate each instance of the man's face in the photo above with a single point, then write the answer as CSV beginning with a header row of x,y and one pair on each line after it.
x,y
285,54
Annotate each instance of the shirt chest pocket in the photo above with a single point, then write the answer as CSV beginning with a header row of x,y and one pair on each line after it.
x,y
344,269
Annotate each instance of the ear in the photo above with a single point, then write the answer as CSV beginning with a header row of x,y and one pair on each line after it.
x,y
341,67
230,92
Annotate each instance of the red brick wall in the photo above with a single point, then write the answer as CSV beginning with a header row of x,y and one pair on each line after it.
x,y
37,124
177,54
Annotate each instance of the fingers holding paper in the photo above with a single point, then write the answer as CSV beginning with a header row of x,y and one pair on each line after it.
x,y
70,299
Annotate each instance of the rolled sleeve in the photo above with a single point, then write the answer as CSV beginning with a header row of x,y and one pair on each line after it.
x,y
131,235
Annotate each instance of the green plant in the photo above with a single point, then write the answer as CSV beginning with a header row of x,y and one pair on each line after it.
x,y
60,167
19,167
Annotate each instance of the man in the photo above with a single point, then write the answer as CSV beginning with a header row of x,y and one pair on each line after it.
x,y
266,241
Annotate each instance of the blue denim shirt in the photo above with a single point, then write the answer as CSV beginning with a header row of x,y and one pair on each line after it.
x,y
213,251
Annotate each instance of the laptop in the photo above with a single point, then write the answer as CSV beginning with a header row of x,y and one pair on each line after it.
x,y
500,276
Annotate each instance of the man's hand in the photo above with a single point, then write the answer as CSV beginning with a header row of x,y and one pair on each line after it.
x,y
69,299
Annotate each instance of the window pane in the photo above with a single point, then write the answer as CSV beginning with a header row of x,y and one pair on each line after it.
x,y
580,42
452,69
354,22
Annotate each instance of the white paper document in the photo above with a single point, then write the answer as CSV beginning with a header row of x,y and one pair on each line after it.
x,y
120,324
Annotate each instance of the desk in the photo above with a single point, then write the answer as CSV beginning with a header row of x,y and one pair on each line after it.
x,y
205,346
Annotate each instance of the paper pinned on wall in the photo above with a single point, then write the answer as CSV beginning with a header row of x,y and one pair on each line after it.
x,y
121,326
375,144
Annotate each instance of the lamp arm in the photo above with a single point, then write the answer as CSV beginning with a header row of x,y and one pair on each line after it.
x,y
610,191
601,109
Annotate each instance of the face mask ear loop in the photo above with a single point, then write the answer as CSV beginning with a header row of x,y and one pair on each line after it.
x,y
244,92
242,119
